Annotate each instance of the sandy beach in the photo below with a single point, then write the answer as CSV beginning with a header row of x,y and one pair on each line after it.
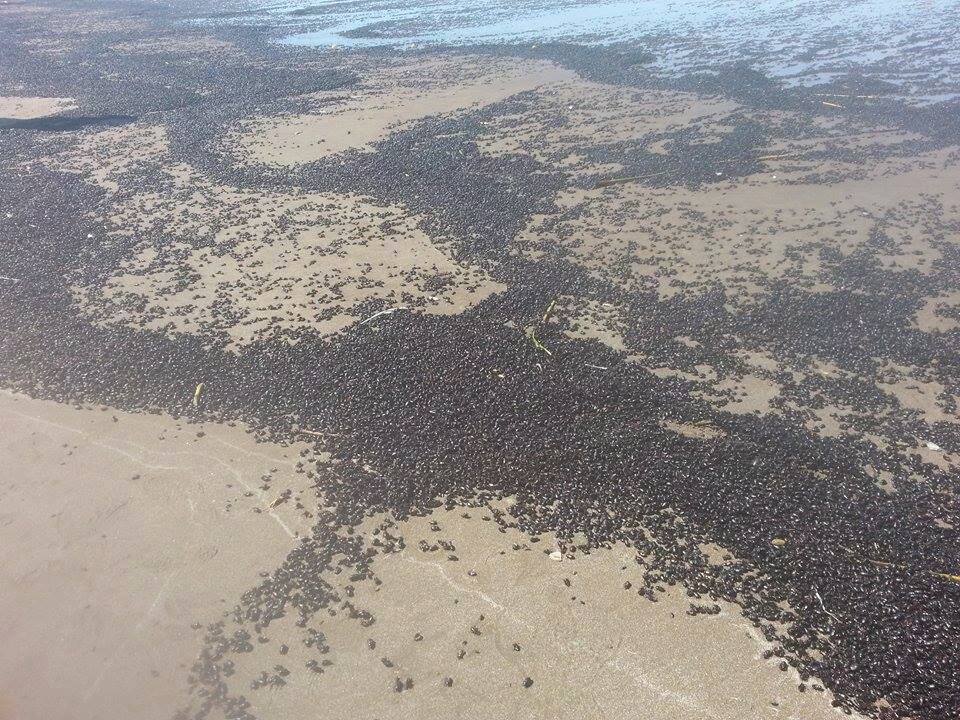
x,y
521,380
129,530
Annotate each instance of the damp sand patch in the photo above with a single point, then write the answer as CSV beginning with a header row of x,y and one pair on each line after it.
x,y
19,108
124,531
390,101
462,604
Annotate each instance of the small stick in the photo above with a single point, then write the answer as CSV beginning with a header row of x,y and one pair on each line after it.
x,y
632,178
616,181
382,312
546,315
883,563
777,157
822,606
532,332
947,576
536,343
861,97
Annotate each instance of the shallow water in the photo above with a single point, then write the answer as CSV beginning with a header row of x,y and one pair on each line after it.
x,y
912,45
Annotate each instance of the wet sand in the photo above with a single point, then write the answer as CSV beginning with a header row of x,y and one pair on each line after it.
x,y
122,531
396,97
